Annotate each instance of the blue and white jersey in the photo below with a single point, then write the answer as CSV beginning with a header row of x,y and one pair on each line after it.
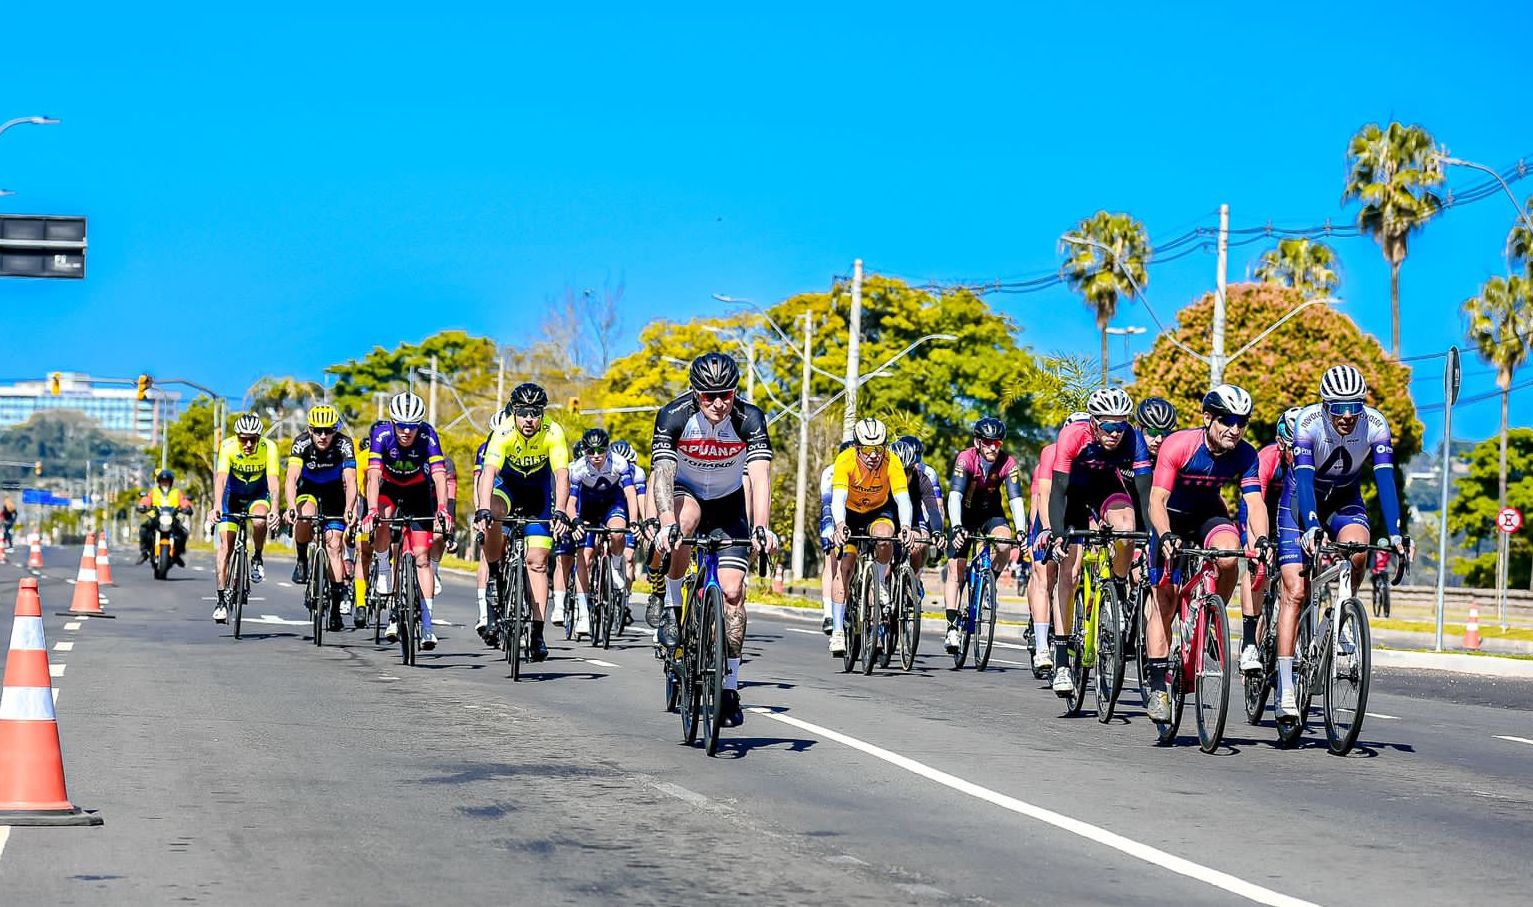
x,y
1328,464
826,492
605,482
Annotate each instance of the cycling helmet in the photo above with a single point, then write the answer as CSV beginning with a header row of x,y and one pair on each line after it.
x,y
580,448
1110,403
714,373
906,452
497,420
1288,422
1157,413
843,446
1077,417
528,394
1227,399
622,449
165,476
324,416
990,429
1343,383
870,433
248,424
915,444
596,440
407,407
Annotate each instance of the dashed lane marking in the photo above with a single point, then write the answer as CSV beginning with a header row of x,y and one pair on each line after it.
x,y
1383,716
802,630
1513,739
63,646
5,835
1128,846
56,670
598,662
72,625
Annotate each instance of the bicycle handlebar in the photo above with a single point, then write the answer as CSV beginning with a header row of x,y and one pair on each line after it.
x,y
1348,549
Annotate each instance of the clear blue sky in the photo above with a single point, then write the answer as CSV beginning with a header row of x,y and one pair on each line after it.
x,y
258,178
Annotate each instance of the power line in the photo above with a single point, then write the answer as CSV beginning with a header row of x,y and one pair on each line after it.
x,y
1478,398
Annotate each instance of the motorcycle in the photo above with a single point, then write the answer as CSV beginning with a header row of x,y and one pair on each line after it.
x,y
163,555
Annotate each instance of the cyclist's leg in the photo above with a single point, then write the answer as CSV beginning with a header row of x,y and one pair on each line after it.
x,y
827,577
1221,532
1349,523
258,510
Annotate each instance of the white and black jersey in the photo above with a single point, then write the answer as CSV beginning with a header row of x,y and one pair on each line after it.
x,y
710,459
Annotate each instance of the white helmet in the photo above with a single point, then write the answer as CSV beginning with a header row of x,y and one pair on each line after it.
x,y
248,424
407,407
1343,383
1077,417
1110,403
1227,399
497,420
870,433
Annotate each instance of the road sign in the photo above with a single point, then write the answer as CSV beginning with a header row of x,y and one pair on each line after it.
x,y
42,246
1451,377
1509,520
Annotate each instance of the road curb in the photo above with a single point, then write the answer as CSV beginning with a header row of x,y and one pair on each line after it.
x,y
1483,665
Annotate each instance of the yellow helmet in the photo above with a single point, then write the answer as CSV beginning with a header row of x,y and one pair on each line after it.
x,y
324,416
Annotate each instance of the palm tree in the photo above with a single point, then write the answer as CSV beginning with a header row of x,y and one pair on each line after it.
x,y
1305,265
1519,244
1391,171
1110,265
1501,326
277,397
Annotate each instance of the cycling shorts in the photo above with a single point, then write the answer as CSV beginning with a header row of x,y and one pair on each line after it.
x,y
978,523
1193,528
412,502
728,515
329,500
531,501
1085,504
859,523
601,512
1341,509
242,500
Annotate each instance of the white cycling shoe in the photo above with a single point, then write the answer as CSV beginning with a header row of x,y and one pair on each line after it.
x,y
837,643
1250,659
428,642
954,639
1063,682
391,633
1287,705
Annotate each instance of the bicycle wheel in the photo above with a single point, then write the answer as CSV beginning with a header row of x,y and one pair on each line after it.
x,y
601,590
1075,651
852,625
889,624
869,618
404,606
1384,596
691,687
1109,657
984,629
513,603
1346,684
317,593
376,602
568,613
240,588
1211,662
969,616
910,620
712,655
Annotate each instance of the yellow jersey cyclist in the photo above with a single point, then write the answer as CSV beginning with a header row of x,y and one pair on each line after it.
x,y
526,474
322,481
244,481
869,495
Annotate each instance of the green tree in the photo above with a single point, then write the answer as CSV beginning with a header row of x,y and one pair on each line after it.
x,y
1101,276
191,452
468,361
1501,328
1519,243
1472,511
1306,265
1391,172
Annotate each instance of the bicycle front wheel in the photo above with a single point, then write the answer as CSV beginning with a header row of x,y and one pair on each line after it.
x,y
1109,679
317,592
984,626
1346,684
1211,664
852,624
910,620
513,604
712,658
870,617
599,583
690,680
241,590
1075,650
1384,597
404,615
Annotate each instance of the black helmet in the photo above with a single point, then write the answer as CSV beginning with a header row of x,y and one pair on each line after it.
x,y
990,429
595,440
165,476
915,444
906,452
528,394
714,373
580,448
844,445
1157,413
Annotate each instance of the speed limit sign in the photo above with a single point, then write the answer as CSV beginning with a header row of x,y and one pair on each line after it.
x,y
1509,520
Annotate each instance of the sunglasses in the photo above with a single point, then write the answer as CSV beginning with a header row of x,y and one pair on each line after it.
x,y
407,426
1230,420
1156,432
249,440
526,412
1113,428
982,442
1344,410
321,431
711,396
870,451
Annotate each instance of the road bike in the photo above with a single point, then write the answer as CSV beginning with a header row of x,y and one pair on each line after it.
x,y
1337,657
1097,632
976,620
875,628
1200,649
905,598
1380,584
239,566
316,593
511,601
606,599
404,600
1260,683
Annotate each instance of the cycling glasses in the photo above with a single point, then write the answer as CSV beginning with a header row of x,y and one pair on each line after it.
x,y
711,396
526,412
249,439
1116,427
871,451
407,426
1230,420
987,443
1156,432
321,431
1344,410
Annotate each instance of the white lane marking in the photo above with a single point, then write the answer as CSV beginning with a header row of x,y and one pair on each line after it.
x,y
72,625
1513,739
287,585
55,695
689,796
198,567
56,670
253,598
802,630
63,646
1383,716
1145,852
598,662
274,619
5,835
1008,645
1020,664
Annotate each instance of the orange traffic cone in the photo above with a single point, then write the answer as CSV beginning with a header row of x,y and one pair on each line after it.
x,y
103,563
31,764
35,559
1472,628
87,600
778,579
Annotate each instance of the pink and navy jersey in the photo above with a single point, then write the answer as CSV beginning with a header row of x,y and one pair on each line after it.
x,y
1044,469
404,465
1079,455
1194,475
978,482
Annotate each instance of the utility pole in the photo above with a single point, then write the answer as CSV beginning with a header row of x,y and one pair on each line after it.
x,y
500,383
1216,358
750,368
802,484
431,404
1450,396
853,353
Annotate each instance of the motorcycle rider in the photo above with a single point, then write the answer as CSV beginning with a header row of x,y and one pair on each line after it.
x,y
163,494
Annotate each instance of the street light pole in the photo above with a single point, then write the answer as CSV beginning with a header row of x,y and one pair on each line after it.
x,y
1459,162
1217,361
802,484
23,121
1126,333
853,353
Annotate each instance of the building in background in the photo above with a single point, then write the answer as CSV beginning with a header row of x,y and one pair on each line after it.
x,y
115,405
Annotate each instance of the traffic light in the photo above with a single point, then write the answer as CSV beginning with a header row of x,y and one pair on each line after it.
x,y
56,383
144,383
574,406
37,468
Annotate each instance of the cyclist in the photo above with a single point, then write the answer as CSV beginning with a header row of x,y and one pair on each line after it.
x,y
322,480
163,494
1274,470
442,544
925,504
601,493
244,481
564,554
982,475
1045,575
641,512
1157,419
1185,503
827,529
1090,459
1331,442
482,573
526,474
8,516
705,442
407,479
869,496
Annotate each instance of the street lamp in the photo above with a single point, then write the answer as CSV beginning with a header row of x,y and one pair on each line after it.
x,y
28,121
1126,333
1459,162
748,345
5,192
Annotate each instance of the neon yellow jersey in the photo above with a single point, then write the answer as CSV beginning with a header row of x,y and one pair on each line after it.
x,y
247,470
867,490
525,457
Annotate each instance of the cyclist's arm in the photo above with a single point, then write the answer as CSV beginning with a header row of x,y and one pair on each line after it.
x,y
349,482
931,503
1160,518
273,483
1304,480
955,494
571,507
1059,493
1143,482
1256,515
1384,476
220,476
903,507
662,490
439,482
374,480
632,496
561,487
294,466
760,472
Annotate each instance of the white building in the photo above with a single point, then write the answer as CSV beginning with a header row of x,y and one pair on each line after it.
x,y
116,406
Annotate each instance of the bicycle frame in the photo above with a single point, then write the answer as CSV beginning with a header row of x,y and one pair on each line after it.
x,y
1203,582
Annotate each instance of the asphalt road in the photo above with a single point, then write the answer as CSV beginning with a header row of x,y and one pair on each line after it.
x,y
262,770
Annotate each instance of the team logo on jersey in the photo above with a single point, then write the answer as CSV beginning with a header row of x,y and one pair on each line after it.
x,y
711,450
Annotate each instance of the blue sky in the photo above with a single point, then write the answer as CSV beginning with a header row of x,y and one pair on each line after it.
x,y
273,189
